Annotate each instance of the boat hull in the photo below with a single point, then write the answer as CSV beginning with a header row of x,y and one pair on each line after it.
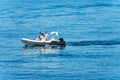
x,y
42,43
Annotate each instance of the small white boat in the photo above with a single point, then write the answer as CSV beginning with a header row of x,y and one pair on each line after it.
x,y
52,41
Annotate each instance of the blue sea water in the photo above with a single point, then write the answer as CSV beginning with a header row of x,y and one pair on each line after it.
x,y
91,29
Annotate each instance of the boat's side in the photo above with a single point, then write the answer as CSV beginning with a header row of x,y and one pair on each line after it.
x,y
34,42
43,43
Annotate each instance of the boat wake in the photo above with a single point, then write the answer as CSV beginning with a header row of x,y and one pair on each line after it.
x,y
95,42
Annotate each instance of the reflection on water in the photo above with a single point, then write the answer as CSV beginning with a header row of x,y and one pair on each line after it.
x,y
42,49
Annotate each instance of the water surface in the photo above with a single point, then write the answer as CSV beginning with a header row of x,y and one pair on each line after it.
x,y
91,29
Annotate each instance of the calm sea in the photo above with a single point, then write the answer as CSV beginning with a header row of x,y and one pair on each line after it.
x,y
91,29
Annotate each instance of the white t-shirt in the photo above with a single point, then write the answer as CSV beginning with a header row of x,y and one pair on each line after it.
x,y
46,36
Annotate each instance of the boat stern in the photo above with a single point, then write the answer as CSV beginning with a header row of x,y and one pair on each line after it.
x,y
58,42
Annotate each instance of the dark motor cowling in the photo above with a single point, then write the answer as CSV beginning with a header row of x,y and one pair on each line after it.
x,y
61,39
60,42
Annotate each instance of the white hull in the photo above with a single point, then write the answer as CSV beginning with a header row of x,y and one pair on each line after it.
x,y
34,42
41,43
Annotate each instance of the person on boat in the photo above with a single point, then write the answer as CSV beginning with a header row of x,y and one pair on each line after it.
x,y
46,36
39,37
42,37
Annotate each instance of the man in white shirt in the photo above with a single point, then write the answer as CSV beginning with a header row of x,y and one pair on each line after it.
x,y
46,36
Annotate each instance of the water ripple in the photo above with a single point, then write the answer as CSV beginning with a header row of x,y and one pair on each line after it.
x,y
96,5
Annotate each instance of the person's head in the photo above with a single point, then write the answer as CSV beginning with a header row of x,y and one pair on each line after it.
x,y
46,32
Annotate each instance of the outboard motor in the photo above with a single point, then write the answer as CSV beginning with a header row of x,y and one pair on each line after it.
x,y
61,39
58,42
62,42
